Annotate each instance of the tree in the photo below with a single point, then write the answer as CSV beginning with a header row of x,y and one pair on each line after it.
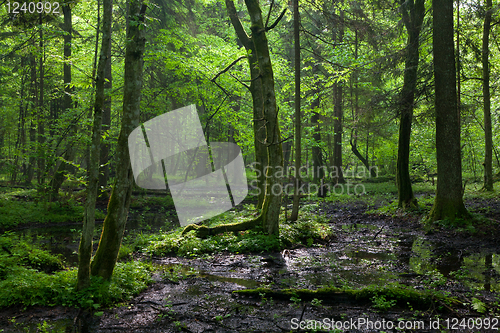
x,y
69,152
298,125
85,249
106,255
257,102
488,135
413,16
448,203
269,216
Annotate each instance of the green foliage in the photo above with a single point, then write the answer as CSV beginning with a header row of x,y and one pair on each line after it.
x,y
478,305
16,251
25,279
28,287
309,228
380,303
25,206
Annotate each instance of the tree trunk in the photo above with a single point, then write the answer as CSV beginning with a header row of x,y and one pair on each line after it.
x,y
413,15
338,114
85,249
317,156
106,123
488,135
40,113
298,124
30,170
69,153
448,203
114,224
259,129
272,201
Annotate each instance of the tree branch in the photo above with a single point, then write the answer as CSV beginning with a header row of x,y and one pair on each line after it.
x,y
227,68
238,27
277,20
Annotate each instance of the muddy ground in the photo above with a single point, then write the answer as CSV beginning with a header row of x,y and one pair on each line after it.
x,y
365,250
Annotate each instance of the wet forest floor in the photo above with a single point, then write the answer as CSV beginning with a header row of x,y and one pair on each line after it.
x,y
366,249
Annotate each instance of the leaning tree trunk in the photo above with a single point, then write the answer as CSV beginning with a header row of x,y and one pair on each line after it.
x,y
114,224
488,136
413,15
448,203
85,249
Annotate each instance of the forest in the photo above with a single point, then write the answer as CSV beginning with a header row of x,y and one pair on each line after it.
x,y
249,166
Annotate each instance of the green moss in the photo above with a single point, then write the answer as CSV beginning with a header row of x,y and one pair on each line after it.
x,y
397,294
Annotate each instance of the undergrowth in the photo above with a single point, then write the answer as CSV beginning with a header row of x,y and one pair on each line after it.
x,y
33,276
307,230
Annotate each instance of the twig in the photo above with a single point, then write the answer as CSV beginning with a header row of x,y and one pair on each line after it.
x,y
378,232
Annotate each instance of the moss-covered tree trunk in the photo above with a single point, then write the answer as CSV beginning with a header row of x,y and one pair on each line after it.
x,y
488,136
85,249
114,223
413,15
448,203
272,201
259,128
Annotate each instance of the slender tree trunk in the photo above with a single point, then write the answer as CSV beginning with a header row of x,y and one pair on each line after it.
x,y
488,135
30,170
298,124
106,123
85,250
317,155
114,224
338,112
413,15
41,113
448,203
69,153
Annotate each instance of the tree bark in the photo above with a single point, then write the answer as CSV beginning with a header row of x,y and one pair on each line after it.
x,y
448,203
106,123
338,114
272,201
317,156
298,124
85,249
413,15
488,135
259,127
69,153
114,224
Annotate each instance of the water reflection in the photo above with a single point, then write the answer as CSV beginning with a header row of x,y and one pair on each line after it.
x,y
479,271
